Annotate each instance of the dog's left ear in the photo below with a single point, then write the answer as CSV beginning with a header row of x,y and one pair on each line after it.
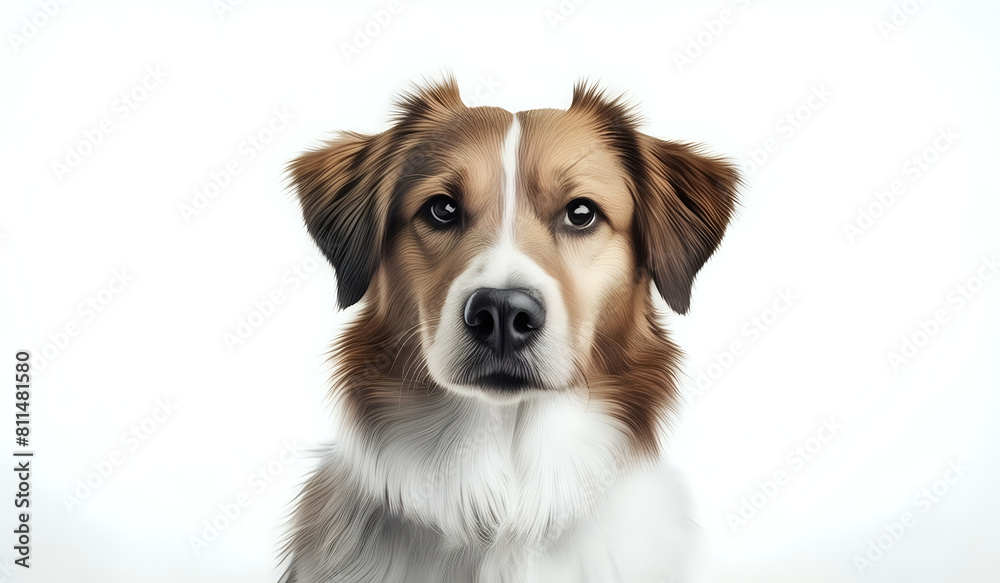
x,y
683,198
684,202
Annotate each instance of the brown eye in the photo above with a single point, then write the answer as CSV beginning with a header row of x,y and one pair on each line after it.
x,y
442,210
581,213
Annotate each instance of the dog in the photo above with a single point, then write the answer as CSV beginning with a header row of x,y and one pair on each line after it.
x,y
503,392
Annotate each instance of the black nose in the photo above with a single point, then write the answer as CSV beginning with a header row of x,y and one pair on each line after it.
x,y
504,319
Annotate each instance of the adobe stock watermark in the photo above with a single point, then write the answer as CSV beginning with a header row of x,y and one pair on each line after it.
x,y
224,8
592,493
955,299
247,151
481,93
559,14
921,502
418,495
132,440
795,460
87,311
568,517
31,25
711,29
751,331
899,15
262,309
230,510
122,106
785,128
912,170
367,32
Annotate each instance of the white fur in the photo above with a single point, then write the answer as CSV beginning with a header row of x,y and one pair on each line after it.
x,y
502,266
551,355
532,488
525,465
545,471
510,148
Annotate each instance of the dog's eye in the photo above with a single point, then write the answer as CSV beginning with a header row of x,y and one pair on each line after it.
x,y
442,210
581,213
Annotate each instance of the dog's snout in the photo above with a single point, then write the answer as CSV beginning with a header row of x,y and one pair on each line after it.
x,y
504,319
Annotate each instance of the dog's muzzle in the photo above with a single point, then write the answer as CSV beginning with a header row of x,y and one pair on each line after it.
x,y
503,322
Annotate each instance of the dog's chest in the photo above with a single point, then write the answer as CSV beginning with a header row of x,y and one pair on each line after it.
x,y
637,532
537,494
482,475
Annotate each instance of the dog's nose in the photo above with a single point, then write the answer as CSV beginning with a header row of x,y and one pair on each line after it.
x,y
504,319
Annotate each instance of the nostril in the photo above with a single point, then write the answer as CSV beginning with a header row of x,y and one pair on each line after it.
x,y
483,322
522,323
481,316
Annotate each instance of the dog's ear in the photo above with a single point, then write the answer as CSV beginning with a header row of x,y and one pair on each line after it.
x,y
342,192
683,198
684,202
345,187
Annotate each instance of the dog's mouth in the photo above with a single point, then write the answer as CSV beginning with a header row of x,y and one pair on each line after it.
x,y
508,374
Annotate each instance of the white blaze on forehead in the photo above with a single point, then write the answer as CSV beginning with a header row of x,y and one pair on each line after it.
x,y
501,266
510,146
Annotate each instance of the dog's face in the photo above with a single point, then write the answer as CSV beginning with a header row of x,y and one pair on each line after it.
x,y
514,241
516,251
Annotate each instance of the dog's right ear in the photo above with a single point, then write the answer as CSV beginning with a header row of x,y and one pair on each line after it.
x,y
345,186
342,192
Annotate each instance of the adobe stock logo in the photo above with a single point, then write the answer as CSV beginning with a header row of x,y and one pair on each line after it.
x,y
32,25
228,512
955,299
224,8
898,17
88,310
913,169
785,128
892,532
795,460
753,329
248,150
712,30
365,33
264,308
132,439
561,13
122,106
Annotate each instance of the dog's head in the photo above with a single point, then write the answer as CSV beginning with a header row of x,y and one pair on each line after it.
x,y
515,253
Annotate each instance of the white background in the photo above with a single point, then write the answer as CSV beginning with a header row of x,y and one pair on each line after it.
x,y
64,235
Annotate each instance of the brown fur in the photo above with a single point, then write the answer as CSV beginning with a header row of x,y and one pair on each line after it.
x,y
665,206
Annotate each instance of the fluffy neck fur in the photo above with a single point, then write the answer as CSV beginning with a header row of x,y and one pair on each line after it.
x,y
481,473
472,485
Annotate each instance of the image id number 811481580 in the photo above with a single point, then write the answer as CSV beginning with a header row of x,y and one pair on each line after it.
x,y
22,459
